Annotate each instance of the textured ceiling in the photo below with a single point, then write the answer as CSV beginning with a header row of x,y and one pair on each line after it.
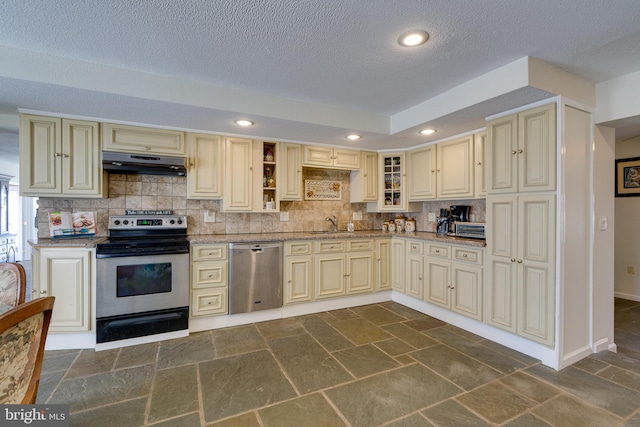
x,y
334,53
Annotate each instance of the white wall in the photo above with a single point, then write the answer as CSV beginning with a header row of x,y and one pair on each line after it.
x,y
603,241
627,236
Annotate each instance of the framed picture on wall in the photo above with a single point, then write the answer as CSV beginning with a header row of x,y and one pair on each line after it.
x,y
628,177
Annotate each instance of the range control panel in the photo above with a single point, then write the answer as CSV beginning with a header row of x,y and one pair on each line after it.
x,y
128,222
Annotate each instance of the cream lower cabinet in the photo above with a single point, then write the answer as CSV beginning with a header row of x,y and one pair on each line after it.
x,y
298,272
398,264
454,279
520,268
67,274
209,280
414,275
383,264
343,267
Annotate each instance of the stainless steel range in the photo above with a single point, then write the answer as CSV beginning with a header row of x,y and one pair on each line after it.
x,y
142,279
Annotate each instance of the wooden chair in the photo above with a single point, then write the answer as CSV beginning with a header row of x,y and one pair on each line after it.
x,y
23,332
13,285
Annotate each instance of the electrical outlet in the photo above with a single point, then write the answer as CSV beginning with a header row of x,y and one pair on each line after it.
x,y
284,216
631,269
432,216
209,216
357,216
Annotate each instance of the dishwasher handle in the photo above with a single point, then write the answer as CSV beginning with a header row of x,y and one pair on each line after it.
x,y
255,246
257,250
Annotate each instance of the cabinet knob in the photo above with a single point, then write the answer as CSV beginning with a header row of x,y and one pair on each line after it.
x,y
513,260
437,251
521,151
43,292
288,281
514,152
432,171
65,155
479,163
147,148
519,261
464,255
57,155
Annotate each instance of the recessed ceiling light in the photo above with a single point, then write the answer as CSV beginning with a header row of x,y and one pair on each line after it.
x,y
413,38
353,137
427,131
244,123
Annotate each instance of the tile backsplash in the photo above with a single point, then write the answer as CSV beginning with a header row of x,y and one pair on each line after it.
x,y
170,193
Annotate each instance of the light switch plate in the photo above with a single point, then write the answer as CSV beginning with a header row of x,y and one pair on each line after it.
x,y
284,216
209,216
431,216
603,223
357,216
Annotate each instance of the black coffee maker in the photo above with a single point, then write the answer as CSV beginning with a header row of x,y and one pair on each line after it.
x,y
459,213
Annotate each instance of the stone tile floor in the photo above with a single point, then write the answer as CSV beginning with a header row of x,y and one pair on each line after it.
x,y
380,364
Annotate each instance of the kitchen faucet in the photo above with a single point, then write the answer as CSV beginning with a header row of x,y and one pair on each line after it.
x,y
334,221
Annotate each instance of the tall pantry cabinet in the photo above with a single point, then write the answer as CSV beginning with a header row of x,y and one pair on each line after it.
x,y
521,212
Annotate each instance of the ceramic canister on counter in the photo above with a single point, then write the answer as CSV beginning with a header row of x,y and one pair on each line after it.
x,y
410,225
400,222
385,226
392,226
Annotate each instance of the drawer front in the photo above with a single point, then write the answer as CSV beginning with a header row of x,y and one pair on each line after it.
x,y
360,245
440,251
414,247
209,252
330,246
473,256
298,248
205,302
209,274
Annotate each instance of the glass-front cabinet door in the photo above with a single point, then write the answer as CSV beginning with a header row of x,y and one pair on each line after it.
x,y
393,182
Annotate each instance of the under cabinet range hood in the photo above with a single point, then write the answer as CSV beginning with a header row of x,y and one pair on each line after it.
x,y
143,164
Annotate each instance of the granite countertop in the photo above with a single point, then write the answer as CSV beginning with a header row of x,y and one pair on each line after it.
x,y
271,237
309,235
81,242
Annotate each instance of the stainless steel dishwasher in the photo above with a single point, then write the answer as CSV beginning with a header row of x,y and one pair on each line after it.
x,y
255,276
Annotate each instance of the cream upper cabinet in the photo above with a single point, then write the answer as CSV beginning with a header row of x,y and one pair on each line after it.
x,y
383,264
290,172
480,179
455,169
334,158
60,157
521,151
421,170
136,139
364,182
520,268
238,181
66,273
205,166
393,185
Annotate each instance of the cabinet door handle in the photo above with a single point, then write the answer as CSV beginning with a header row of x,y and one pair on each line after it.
x,y
65,155
521,151
513,260
514,152
519,261
43,292
57,155
479,163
